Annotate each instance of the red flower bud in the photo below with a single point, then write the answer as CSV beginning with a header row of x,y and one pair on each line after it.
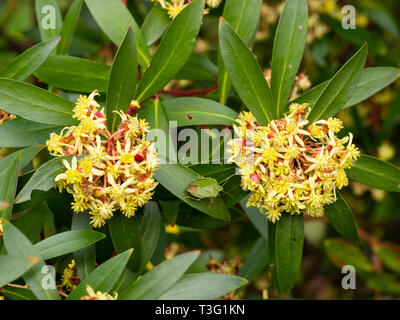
x,y
139,157
255,178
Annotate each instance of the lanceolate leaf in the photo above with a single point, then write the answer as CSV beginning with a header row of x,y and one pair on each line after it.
x,y
375,173
258,219
341,218
203,286
154,283
340,88
48,17
8,182
198,111
243,16
12,136
256,261
104,277
66,242
42,179
173,51
245,74
287,239
31,59
11,268
372,80
18,245
290,40
35,104
31,224
68,26
114,19
176,178
198,68
123,78
74,74
155,24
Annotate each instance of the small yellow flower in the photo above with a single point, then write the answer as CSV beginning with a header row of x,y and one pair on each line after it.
x,y
98,295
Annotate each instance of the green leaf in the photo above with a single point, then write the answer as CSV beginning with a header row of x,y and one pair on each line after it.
x,y
198,111
48,17
246,74
67,242
287,241
170,209
42,179
341,218
372,81
18,293
176,178
32,222
155,24
35,104
259,220
155,283
28,154
140,233
256,261
289,43
340,88
203,286
198,68
18,245
11,268
389,257
74,74
174,50
8,182
342,253
114,19
375,173
104,277
11,135
31,59
123,78
85,259
243,16
68,27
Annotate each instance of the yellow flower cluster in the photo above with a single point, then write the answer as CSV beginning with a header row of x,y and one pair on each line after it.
x,y
70,278
5,116
290,165
98,295
173,7
108,172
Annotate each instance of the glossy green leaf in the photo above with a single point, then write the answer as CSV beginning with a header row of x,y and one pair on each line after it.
x,y
176,178
170,209
104,277
287,237
372,81
28,154
154,283
155,24
246,74
32,222
342,253
48,17
11,268
114,19
203,286
31,59
35,104
67,242
256,261
17,245
74,74
375,173
42,179
123,78
174,50
341,218
340,88
198,111
290,40
258,219
11,135
198,68
85,259
18,293
243,16
9,167
139,232
68,27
